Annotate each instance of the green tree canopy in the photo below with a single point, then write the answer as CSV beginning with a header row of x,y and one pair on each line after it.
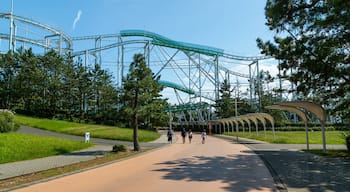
x,y
140,93
225,106
313,41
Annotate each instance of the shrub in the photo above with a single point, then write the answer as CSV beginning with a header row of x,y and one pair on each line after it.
x,y
346,136
347,139
7,123
119,148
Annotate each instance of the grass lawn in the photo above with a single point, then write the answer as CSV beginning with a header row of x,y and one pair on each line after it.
x,y
18,147
294,137
97,131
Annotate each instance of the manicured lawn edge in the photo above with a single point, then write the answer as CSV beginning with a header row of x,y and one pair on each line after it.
x,y
292,137
18,146
79,129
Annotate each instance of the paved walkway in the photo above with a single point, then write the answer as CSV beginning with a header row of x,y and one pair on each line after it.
x,y
217,166
292,169
299,171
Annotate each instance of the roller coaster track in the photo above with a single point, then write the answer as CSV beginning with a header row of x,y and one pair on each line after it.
x,y
182,88
156,40
26,40
166,42
176,86
206,62
65,38
110,46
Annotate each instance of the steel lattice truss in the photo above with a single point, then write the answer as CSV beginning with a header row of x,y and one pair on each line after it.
x,y
194,72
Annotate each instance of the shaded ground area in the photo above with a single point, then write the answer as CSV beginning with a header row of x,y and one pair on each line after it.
x,y
235,170
301,171
296,170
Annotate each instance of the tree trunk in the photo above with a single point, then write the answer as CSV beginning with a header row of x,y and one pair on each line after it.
x,y
136,137
135,122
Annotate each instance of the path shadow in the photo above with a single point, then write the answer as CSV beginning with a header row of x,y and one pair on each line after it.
x,y
87,153
239,172
301,170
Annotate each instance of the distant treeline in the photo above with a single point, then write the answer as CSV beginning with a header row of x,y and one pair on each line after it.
x,y
54,86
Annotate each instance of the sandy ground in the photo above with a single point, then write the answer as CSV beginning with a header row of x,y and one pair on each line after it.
x,y
217,165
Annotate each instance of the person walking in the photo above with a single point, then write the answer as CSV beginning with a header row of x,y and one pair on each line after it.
x,y
170,136
190,135
183,134
204,135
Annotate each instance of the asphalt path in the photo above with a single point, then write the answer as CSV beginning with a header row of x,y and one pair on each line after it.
x,y
217,165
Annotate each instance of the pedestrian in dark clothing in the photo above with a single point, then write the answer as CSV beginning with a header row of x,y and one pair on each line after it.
x,y
183,134
170,136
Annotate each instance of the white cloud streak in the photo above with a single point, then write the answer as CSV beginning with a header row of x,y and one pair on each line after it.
x,y
77,18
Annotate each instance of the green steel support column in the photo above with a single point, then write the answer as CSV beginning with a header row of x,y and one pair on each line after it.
x,y
60,45
200,82
118,65
11,27
250,85
86,58
14,35
98,57
236,96
217,85
146,53
122,65
189,75
149,54
259,84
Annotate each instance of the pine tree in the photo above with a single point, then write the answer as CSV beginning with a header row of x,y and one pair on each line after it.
x,y
225,106
140,91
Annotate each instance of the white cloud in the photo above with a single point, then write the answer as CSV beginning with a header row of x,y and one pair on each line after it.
x,y
77,18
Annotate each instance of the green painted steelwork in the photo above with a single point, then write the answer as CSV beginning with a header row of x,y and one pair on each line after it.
x,y
176,86
164,41
187,107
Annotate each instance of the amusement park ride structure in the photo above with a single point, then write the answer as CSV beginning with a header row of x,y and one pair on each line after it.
x,y
193,71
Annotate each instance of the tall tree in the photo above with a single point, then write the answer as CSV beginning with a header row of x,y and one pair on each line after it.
x,y
52,65
140,91
8,72
69,100
29,82
313,41
225,106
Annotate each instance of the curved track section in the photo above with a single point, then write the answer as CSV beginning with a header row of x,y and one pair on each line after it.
x,y
163,41
196,70
176,86
50,38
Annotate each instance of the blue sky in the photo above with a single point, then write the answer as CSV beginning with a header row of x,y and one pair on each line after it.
x,y
232,25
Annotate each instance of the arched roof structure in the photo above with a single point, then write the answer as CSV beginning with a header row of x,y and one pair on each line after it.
x,y
317,110
248,118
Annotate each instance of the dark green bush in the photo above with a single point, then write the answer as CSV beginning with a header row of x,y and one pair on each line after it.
x,y
346,137
7,123
119,148
347,140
